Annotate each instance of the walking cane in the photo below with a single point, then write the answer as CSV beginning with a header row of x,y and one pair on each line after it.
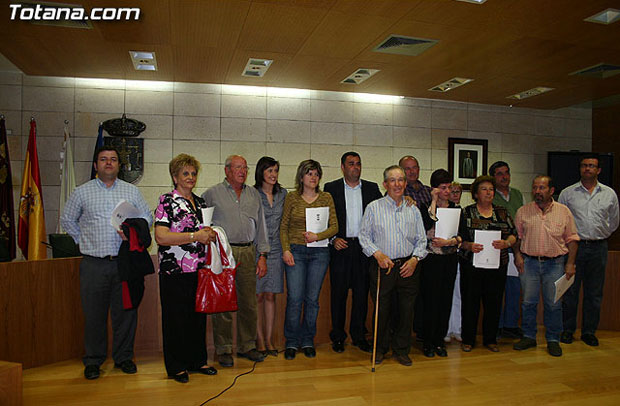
x,y
374,341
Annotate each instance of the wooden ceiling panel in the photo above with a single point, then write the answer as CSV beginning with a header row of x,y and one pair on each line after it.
x,y
310,72
207,23
322,4
506,46
278,28
344,35
384,8
201,64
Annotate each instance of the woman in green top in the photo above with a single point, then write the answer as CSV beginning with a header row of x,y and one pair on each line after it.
x,y
305,266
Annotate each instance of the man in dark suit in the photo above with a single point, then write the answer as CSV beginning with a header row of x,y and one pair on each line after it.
x,y
348,265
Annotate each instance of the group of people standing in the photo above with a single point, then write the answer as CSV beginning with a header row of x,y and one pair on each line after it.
x,y
372,242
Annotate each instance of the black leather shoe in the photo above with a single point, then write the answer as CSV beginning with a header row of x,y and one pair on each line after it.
x,y
225,360
441,351
566,337
363,345
309,352
206,371
554,349
338,346
181,378
252,355
127,367
428,352
590,339
91,372
404,360
524,344
290,353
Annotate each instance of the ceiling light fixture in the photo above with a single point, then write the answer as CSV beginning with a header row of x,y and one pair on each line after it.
x,y
143,60
359,76
256,68
473,1
450,84
606,17
529,93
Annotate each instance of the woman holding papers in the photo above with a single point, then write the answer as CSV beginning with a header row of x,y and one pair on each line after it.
x,y
308,221
441,220
272,197
483,266
454,325
181,236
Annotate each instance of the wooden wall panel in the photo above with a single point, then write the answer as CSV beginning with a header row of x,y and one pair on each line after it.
x,y
10,384
606,138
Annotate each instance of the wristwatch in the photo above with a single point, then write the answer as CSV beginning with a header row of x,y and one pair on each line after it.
x,y
264,254
191,236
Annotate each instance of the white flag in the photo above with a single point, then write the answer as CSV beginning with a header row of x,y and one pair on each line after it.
x,y
67,175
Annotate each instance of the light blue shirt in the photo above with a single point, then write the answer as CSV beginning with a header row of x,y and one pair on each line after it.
x,y
353,202
396,231
86,215
596,214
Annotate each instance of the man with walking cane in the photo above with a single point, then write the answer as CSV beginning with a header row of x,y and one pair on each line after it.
x,y
393,233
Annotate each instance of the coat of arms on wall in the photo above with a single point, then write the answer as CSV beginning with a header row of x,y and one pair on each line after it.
x,y
124,132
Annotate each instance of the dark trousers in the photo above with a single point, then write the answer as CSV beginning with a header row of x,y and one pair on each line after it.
x,y
590,271
349,270
486,285
437,287
407,290
101,291
184,330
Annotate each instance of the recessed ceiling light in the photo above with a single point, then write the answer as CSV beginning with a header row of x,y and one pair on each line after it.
x,y
359,76
450,84
143,60
256,68
531,92
473,1
611,15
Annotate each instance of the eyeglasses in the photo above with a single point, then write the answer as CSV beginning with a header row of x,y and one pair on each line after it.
x,y
589,165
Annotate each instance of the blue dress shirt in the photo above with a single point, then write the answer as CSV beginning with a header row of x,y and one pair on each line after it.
x,y
86,215
395,230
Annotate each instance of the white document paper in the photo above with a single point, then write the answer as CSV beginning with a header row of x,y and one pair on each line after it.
x,y
207,216
447,225
317,219
122,211
512,268
488,258
561,286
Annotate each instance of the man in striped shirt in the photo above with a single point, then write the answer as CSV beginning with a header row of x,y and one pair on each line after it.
x,y
547,251
393,233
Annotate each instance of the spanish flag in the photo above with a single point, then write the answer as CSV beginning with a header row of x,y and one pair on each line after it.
x,y
31,229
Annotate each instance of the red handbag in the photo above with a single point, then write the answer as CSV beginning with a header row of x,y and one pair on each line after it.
x,y
216,292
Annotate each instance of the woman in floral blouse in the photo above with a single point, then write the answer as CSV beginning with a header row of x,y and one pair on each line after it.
x,y
182,239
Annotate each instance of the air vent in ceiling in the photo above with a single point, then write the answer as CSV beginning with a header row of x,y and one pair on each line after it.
x,y
256,68
59,11
402,45
450,84
608,16
359,76
529,93
473,1
600,71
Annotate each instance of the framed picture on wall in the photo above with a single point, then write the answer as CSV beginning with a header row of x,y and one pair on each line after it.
x,y
467,159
